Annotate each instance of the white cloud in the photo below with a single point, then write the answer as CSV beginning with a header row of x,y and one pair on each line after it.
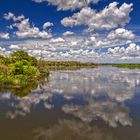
x,y
14,47
4,35
131,50
80,48
110,17
57,40
120,34
47,24
11,16
67,33
2,50
24,29
68,4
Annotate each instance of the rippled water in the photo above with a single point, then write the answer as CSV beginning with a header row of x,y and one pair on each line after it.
x,y
87,104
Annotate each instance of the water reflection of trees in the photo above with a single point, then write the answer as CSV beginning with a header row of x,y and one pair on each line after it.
x,y
23,91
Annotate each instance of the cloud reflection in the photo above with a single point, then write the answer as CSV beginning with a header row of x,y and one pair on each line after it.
x,y
69,130
104,91
117,84
112,113
23,105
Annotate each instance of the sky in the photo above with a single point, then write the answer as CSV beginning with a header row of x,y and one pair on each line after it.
x,y
102,31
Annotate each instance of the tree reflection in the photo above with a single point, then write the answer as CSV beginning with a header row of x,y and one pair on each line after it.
x,y
23,91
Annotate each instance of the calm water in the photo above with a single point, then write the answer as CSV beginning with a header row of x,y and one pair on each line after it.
x,y
87,104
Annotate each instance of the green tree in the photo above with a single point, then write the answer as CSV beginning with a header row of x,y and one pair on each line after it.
x,y
24,68
21,55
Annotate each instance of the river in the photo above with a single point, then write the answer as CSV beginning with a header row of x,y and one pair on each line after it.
x,y
88,104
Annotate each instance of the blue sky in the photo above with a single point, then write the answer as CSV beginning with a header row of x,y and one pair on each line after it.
x,y
40,13
69,29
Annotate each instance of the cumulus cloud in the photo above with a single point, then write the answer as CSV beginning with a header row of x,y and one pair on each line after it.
x,y
79,48
67,33
2,50
4,35
47,24
112,44
131,49
120,34
24,29
11,16
57,40
110,17
82,47
68,4
14,47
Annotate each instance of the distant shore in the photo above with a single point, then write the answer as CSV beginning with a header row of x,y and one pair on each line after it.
x,y
124,65
20,71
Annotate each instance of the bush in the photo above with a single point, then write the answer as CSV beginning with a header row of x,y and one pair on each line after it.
x,y
21,55
24,68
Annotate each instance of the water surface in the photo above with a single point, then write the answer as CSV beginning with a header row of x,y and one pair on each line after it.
x,y
88,104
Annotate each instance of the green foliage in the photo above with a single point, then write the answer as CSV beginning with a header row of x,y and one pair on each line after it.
x,y
6,80
24,68
21,55
4,60
21,72
129,66
60,65
18,70
18,66
30,71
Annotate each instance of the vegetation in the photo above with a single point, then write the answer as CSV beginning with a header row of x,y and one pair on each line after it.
x,y
64,65
126,65
18,69
130,66
22,72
